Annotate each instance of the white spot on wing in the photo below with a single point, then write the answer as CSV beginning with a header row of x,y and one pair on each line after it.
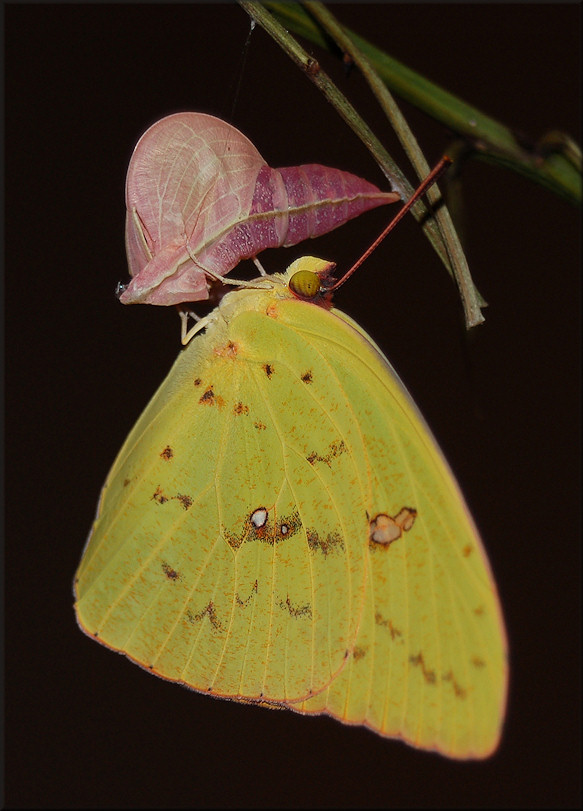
x,y
259,517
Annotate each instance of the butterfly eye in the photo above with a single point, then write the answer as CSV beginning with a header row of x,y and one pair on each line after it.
x,y
305,283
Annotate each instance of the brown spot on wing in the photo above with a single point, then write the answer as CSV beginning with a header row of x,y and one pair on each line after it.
x,y
210,398
167,453
459,692
287,525
240,408
431,677
428,675
268,369
232,539
331,543
210,612
385,529
186,501
244,603
307,376
385,623
170,573
159,496
260,526
335,449
295,611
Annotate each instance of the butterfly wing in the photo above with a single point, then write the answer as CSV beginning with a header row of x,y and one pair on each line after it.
x,y
280,527
221,556
430,660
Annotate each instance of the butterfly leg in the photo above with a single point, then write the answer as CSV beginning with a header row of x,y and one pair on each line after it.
x,y
259,266
187,334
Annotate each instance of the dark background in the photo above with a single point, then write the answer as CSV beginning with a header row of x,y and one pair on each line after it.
x,y
87,728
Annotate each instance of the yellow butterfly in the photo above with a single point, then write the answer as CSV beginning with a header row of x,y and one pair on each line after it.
x,y
280,527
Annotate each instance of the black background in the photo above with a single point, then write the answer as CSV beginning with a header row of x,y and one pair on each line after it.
x,y
87,728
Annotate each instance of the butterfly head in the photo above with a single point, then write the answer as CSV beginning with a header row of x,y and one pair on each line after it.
x,y
308,278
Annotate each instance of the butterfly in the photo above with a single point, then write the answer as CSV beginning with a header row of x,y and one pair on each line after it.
x,y
281,528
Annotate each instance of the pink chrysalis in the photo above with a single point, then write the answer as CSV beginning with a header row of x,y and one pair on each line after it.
x,y
199,197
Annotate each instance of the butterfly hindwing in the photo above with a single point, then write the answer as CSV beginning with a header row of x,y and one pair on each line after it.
x,y
429,662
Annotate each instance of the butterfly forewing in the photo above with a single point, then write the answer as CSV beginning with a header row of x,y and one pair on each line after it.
x,y
221,557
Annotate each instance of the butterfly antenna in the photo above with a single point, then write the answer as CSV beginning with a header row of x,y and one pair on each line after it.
x,y
431,178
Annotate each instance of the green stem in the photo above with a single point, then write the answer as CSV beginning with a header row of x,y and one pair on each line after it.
x,y
353,119
471,299
490,140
